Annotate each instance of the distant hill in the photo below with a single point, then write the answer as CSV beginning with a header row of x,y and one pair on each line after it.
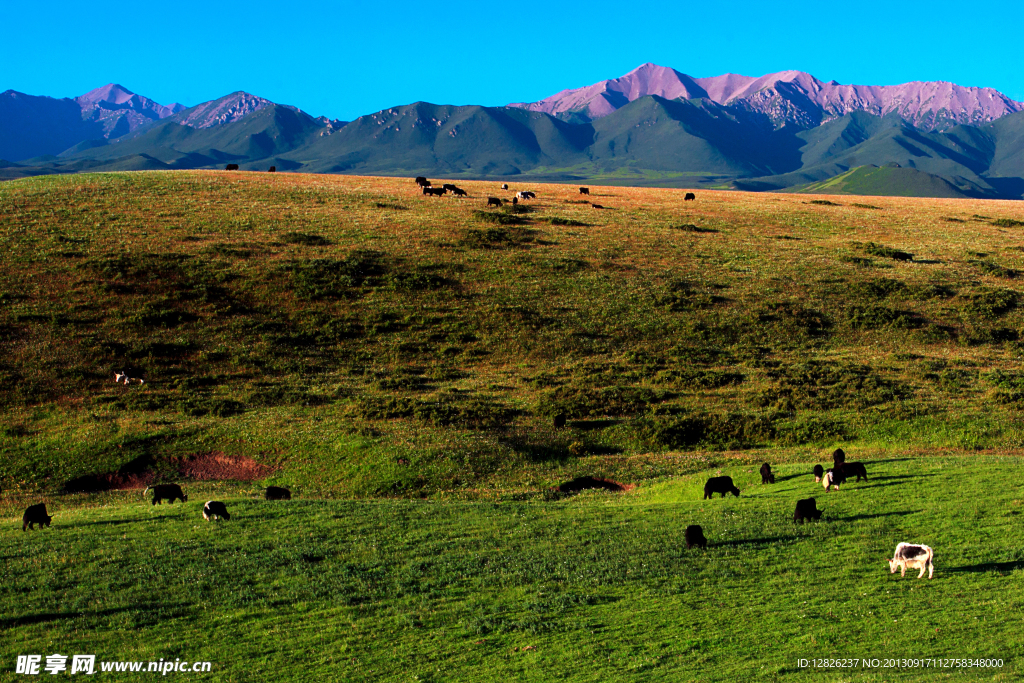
x,y
653,126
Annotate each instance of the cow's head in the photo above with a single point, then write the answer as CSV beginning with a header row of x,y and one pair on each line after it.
x,y
893,566
735,492
184,498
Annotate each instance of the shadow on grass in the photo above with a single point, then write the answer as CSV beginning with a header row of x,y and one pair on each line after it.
x,y
893,480
808,474
988,567
854,518
46,617
588,425
753,541
108,522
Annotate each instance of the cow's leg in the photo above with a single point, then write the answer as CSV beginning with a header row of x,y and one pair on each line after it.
x,y
921,575
903,570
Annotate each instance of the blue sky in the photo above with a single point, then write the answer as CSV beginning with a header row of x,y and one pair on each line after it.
x,y
345,59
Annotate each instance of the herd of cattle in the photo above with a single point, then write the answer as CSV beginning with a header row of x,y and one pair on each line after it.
x,y
911,555
907,555
212,509
429,190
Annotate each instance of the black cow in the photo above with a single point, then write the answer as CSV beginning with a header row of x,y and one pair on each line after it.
x,y
515,200
435,191
695,537
168,492
819,472
584,190
559,421
278,493
459,192
272,169
853,469
721,485
806,509
689,197
231,167
448,187
493,201
838,456
766,474
35,514
422,182
214,509
596,206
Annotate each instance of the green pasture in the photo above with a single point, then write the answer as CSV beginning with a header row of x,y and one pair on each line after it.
x,y
596,587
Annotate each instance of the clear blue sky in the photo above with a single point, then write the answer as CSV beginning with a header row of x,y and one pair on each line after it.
x,y
344,59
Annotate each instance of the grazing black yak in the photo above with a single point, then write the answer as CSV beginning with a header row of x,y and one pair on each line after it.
x,y
168,492
695,536
766,474
278,493
819,472
806,509
721,485
35,514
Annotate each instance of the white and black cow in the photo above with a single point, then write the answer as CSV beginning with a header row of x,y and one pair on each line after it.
x,y
214,509
913,556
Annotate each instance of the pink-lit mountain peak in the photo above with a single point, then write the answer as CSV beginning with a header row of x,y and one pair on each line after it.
x,y
788,97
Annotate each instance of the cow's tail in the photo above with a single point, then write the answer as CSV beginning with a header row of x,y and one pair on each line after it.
x,y
931,565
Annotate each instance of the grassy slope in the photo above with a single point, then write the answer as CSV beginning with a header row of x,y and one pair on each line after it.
x,y
884,181
675,352
360,339
599,587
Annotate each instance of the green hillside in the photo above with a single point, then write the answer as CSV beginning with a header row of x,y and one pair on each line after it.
x,y
423,345
887,181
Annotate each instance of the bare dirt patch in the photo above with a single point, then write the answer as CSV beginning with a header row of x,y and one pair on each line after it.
x,y
145,470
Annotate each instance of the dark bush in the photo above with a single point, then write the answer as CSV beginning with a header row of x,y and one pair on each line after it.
x,y
305,239
820,385
683,295
990,302
689,227
689,430
698,379
497,238
332,278
878,317
578,402
499,217
883,251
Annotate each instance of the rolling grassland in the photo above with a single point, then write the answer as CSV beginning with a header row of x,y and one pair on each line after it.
x,y
398,361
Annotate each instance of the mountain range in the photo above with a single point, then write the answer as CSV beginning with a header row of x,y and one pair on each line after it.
x,y
653,126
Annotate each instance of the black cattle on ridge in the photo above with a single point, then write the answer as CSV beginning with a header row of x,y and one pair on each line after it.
x,y
689,197
584,190
278,493
231,167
